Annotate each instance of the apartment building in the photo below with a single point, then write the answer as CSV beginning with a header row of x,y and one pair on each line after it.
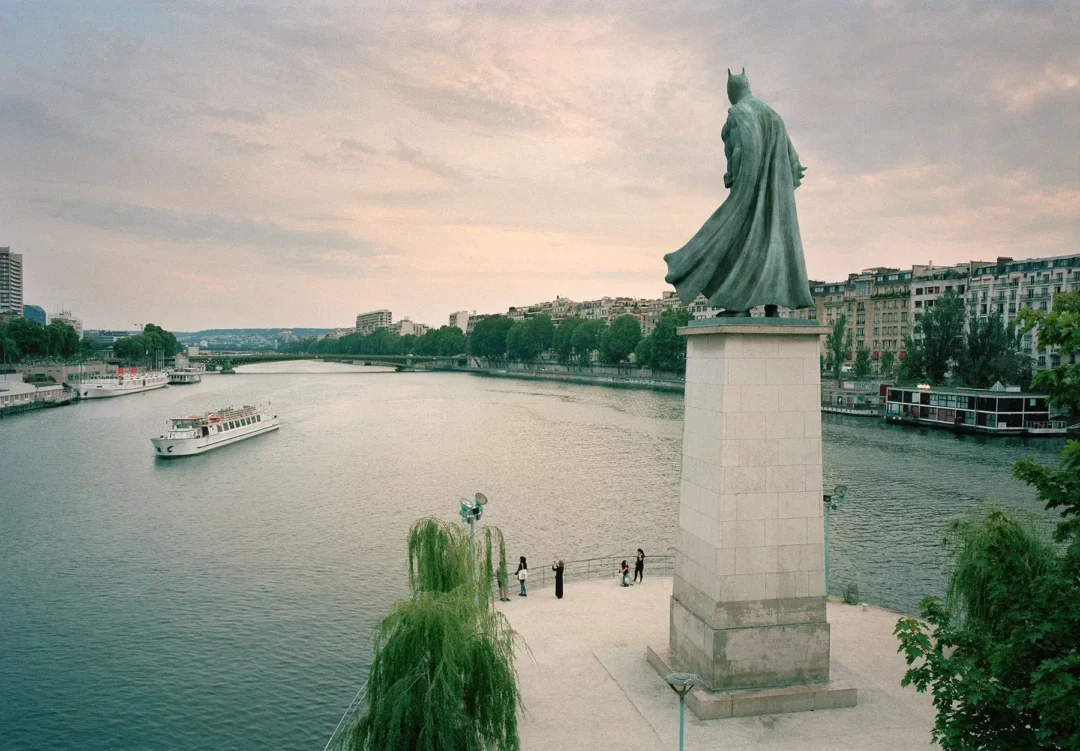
x,y
374,319
1006,286
11,283
66,316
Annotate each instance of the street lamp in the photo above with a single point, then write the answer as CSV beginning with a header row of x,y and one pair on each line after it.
x,y
682,683
471,512
833,502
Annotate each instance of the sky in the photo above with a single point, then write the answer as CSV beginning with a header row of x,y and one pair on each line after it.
x,y
250,164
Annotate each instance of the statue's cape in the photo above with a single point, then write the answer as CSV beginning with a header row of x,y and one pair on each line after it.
x,y
749,252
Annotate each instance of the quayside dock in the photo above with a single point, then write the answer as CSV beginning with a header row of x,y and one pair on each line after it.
x,y
587,684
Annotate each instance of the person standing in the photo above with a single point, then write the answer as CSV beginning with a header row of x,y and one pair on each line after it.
x,y
558,567
522,575
639,566
503,578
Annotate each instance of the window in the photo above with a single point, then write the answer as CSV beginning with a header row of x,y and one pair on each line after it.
x,y
918,290
918,303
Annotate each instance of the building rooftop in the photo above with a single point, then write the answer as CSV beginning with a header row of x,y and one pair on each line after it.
x,y
586,683
961,391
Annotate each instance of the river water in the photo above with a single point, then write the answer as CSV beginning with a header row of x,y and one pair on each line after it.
x,y
226,601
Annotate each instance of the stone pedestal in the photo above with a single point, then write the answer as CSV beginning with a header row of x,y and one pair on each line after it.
x,y
748,602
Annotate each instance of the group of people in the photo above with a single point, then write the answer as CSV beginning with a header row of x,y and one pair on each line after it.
x,y
639,570
558,567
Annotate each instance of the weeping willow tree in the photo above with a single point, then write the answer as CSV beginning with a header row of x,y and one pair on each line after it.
x,y
443,676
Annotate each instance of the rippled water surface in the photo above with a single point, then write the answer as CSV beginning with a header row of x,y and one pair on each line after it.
x,y
226,601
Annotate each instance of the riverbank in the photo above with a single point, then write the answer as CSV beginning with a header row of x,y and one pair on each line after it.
x,y
584,377
586,683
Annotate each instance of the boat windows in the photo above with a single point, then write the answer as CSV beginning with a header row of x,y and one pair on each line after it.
x,y
258,418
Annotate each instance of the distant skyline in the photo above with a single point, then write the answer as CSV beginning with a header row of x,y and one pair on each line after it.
x,y
259,164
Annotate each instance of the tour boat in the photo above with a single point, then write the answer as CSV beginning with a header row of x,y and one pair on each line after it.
x,y
124,381
198,434
187,374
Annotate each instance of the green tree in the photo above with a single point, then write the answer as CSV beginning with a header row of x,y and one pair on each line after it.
x,y
1002,655
488,338
544,330
1060,328
527,339
644,355
912,368
991,352
451,341
942,331
887,363
563,339
443,675
668,348
620,339
29,337
586,340
838,347
862,364
146,346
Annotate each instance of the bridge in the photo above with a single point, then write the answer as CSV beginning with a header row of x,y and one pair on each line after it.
x,y
250,358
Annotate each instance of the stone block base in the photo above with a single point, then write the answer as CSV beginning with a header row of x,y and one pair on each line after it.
x,y
755,657
715,705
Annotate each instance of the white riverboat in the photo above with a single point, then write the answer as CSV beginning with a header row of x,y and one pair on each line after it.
x,y
186,374
124,381
198,434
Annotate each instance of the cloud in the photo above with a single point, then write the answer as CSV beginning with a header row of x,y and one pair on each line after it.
x,y
227,144
186,228
425,161
26,119
232,114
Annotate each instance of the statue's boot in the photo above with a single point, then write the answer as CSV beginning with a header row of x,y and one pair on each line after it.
x,y
733,314
771,311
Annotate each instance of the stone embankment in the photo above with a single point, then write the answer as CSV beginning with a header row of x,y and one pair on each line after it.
x,y
600,375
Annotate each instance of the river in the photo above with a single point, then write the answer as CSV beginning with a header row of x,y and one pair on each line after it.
x,y
226,601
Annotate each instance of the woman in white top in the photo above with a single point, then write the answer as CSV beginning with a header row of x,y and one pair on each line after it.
x,y
522,575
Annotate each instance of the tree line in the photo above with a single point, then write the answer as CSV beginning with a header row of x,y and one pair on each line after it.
x,y
23,339
498,339
145,347
445,341
580,341
949,349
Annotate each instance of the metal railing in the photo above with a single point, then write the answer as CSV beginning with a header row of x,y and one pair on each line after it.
x,y
343,723
540,576
595,568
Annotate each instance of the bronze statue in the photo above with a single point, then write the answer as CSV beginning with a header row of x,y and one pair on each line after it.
x,y
749,252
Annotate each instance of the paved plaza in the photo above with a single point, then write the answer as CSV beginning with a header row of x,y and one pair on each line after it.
x,y
587,685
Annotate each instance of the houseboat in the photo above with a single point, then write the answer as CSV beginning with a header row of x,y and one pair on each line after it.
x,y
849,398
995,411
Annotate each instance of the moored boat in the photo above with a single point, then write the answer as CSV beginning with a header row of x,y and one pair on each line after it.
x,y
998,410
186,374
197,434
124,381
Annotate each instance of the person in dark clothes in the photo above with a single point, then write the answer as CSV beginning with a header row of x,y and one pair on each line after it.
x,y
522,575
639,566
557,567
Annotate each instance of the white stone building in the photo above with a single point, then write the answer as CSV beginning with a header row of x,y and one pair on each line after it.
x,y
374,319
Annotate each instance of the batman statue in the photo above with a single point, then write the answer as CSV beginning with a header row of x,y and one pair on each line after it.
x,y
749,252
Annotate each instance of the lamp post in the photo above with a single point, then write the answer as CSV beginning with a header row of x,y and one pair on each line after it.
x,y
682,683
833,502
471,512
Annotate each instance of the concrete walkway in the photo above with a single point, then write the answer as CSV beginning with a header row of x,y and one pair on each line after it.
x,y
587,685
